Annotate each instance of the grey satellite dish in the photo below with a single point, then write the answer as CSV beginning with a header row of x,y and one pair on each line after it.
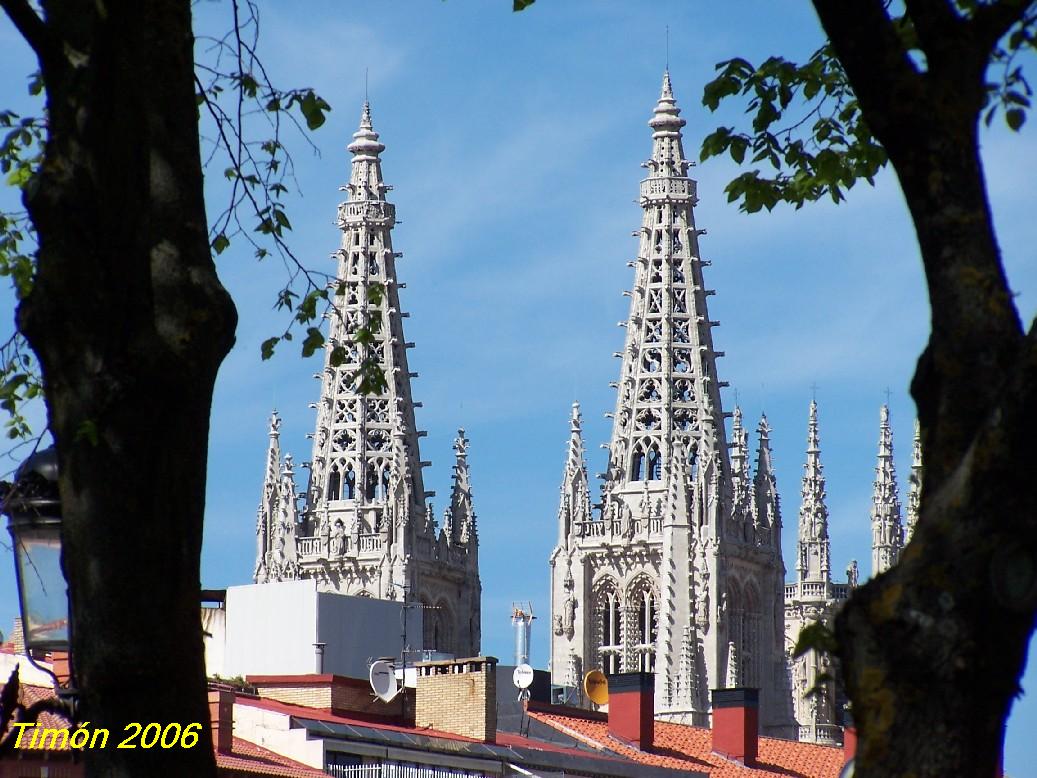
x,y
523,676
383,680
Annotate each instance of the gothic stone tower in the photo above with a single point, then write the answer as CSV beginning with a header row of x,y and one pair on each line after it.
x,y
364,528
680,570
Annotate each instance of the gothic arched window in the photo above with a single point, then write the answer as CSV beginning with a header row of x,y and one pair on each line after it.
x,y
655,463
645,630
334,481
349,486
371,487
637,463
608,616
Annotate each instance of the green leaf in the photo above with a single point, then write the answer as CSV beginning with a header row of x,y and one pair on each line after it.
x,y
521,5
87,431
313,108
220,242
1015,117
266,348
816,637
314,340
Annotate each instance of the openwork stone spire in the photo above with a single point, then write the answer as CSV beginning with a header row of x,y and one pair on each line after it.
x,y
668,381
574,505
914,486
813,559
365,529
680,562
354,456
887,533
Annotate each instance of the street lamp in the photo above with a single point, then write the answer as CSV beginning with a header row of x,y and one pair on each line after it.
x,y
33,509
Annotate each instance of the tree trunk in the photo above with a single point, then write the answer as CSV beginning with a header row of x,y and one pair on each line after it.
x,y
932,650
130,324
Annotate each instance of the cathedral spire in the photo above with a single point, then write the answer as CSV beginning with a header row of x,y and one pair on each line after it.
x,y
366,442
668,381
574,505
813,559
887,534
914,487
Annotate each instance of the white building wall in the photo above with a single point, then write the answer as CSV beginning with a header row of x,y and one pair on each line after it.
x,y
271,630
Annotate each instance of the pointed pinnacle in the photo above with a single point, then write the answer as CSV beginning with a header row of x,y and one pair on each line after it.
x,y
667,91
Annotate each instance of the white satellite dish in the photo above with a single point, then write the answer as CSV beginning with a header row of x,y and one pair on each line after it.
x,y
383,680
523,676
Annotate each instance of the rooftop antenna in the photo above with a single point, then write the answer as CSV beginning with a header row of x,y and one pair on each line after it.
x,y
522,619
887,393
813,391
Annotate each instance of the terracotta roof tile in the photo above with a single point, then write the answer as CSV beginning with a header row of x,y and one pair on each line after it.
x,y
690,748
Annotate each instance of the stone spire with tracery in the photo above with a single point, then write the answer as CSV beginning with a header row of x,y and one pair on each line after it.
x,y
887,532
667,559
364,530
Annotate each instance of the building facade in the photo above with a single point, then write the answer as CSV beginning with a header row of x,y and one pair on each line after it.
x,y
678,569
363,525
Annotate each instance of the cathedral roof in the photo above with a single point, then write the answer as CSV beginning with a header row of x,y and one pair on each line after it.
x,y
682,747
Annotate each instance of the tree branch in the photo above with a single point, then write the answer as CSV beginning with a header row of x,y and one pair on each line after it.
x,y
866,43
31,27
991,22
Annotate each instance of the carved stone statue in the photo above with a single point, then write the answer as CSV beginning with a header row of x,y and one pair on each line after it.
x,y
336,543
852,574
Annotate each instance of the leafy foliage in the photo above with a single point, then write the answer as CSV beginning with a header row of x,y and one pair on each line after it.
x,y
806,127
20,154
815,637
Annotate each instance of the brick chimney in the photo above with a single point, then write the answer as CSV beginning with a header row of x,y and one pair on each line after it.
x,y
632,709
849,742
458,696
61,666
221,713
736,723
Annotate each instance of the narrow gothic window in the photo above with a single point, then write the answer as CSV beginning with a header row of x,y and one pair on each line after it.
x,y
333,483
637,465
350,484
655,464
372,482
610,626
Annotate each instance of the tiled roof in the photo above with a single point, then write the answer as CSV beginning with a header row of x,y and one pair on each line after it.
x,y
250,759
244,759
683,747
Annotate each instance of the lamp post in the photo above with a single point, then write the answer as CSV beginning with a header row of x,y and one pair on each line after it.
x,y
33,508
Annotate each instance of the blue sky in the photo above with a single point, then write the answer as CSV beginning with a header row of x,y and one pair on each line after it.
x,y
514,143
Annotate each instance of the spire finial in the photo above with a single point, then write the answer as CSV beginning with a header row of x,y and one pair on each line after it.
x,y
667,48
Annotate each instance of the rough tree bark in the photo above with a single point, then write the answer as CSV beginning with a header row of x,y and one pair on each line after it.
x,y
932,651
130,324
